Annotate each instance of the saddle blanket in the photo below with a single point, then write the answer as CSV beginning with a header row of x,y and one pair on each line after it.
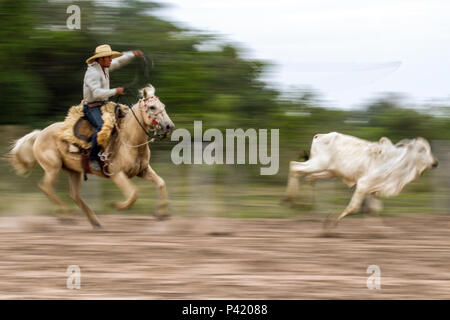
x,y
70,131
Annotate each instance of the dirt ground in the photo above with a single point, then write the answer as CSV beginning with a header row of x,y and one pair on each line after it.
x,y
191,257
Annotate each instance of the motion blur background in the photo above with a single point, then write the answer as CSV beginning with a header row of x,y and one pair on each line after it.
x,y
203,76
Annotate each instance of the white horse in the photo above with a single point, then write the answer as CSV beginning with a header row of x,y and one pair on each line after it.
x,y
130,156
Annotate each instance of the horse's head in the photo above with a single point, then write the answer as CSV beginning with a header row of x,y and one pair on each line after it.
x,y
154,111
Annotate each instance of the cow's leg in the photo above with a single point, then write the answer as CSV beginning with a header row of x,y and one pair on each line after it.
x,y
310,179
371,204
295,170
74,187
319,175
373,223
310,166
353,206
150,175
127,188
292,187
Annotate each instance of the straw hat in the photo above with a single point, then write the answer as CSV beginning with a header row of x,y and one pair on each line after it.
x,y
103,51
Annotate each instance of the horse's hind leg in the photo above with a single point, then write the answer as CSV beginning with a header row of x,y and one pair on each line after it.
x,y
150,175
46,186
75,186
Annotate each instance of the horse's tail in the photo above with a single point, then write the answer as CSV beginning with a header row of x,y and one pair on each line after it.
x,y
21,156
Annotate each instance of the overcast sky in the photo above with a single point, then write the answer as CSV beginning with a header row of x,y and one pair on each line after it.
x,y
349,50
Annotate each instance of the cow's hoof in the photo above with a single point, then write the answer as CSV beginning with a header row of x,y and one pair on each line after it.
x,y
330,223
288,201
329,233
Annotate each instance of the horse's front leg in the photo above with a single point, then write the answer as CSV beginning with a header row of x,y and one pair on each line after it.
x,y
150,175
127,188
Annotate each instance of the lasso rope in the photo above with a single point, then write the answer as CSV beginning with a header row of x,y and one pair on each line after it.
x,y
134,83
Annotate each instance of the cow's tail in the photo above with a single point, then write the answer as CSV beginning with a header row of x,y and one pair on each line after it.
x,y
21,156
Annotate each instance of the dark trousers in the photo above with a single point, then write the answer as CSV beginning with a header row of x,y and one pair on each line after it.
x,y
94,115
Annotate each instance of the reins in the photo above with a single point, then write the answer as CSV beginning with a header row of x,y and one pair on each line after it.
x,y
133,84
142,126
151,139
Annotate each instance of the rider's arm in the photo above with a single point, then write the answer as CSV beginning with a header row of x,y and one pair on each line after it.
x,y
93,83
121,61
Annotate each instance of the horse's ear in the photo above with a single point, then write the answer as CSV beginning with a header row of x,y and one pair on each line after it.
x,y
150,90
143,93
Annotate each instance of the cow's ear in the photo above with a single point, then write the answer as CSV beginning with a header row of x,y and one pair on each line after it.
x,y
385,140
423,140
375,149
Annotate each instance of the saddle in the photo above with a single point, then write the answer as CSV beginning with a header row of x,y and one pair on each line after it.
x,y
84,130
77,131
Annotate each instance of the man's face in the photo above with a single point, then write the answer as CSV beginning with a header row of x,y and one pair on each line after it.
x,y
105,62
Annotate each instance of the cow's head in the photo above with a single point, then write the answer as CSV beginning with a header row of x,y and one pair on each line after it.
x,y
423,157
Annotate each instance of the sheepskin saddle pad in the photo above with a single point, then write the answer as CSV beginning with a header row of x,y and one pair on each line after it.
x,y
78,131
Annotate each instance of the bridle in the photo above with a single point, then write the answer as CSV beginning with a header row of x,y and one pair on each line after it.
x,y
133,84
151,116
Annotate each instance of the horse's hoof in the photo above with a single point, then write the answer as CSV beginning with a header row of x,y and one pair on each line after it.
x,y
96,225
119,205
67,221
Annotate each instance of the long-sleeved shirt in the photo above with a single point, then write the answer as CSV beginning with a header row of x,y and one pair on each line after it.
x,y
96,82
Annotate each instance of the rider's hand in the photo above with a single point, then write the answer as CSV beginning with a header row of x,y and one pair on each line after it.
x,y
138,53
120,91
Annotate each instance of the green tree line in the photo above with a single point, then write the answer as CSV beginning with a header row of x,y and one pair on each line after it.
x,y
43,64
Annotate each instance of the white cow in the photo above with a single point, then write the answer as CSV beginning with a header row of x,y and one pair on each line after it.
x,y
376,168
